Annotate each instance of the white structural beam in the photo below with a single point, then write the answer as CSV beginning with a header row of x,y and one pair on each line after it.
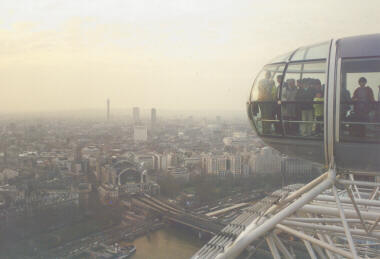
x,y
345,225
351,195
360,183
323,238
255,231
315,241
282,247
320,252
272,247
330,211
328,228
364,202
310,249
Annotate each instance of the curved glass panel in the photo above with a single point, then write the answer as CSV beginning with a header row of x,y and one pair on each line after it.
x,y
264,110
299,55
264,86
360,100
294,68
319,51
315,67
302,99
282,58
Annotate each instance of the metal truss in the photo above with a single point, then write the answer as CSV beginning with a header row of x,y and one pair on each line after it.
x,y
334,216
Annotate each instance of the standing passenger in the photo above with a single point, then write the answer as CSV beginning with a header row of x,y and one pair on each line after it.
x,y
266,88
277,107
318,112
305,96
363,98
345,100
289,109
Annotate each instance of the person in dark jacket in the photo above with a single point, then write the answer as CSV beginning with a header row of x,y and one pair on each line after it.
x,y
304,97
363,100
345,101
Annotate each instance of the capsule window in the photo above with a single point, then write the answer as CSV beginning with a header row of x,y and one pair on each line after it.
x,y
318,51
359,100
302,99
264,109
282,58
299,55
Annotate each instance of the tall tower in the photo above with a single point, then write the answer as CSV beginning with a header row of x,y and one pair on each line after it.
x,y
108,109
136,114
153,116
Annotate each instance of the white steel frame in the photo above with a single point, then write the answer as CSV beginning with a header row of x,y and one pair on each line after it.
x,y
334,217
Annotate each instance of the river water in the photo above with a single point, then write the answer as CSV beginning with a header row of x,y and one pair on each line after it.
x,y
168,243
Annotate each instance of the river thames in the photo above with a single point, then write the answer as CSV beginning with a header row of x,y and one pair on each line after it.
x,y
167,243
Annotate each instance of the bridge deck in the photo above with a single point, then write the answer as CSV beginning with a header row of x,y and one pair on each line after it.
x,y
198,222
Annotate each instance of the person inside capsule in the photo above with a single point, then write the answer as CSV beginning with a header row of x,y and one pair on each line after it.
x,y
304,97
363,100
318,112
289,92
266,95
277,106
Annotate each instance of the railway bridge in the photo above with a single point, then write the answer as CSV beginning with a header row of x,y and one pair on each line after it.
x,y
195,221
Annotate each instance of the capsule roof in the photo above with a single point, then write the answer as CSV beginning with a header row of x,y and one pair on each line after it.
x,y
348,47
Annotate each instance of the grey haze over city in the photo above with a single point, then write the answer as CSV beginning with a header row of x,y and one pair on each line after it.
x,y
173,55
165,129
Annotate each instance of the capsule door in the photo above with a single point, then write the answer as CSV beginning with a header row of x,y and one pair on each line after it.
x,y
357,135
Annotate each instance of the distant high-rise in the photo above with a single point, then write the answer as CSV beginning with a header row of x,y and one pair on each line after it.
x,y
77,153
108,109
136,114
153,116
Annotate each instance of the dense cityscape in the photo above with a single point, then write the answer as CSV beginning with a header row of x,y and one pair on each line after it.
x,y
189,129
62,174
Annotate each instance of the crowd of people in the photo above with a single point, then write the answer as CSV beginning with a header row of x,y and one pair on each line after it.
x,y
300,106
303,106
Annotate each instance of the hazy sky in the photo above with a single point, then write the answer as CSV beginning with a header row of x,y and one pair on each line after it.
x,y
180,54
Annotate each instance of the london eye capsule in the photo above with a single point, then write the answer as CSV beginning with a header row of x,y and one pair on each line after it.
x,y
321,103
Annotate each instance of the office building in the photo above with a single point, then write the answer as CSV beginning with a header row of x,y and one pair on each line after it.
x,y
153,116
136,115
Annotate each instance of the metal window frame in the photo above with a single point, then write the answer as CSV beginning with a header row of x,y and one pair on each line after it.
x,y
329,105
338,122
